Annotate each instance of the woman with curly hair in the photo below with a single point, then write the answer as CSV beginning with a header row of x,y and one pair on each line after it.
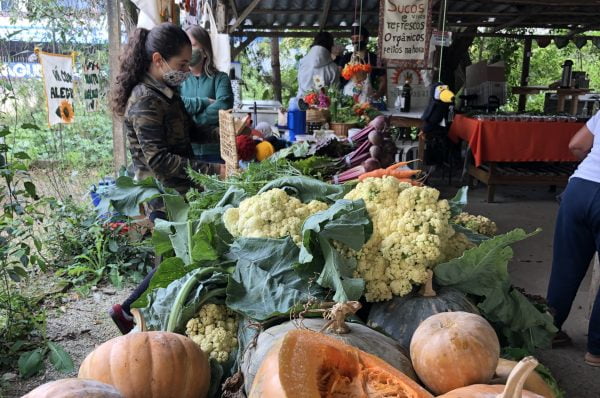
x,y
153,66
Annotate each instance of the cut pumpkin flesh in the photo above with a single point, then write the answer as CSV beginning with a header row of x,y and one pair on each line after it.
x,y
306,364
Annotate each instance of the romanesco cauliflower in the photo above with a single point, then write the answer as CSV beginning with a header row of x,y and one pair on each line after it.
x,y
411,233
271,214
480,224
214,330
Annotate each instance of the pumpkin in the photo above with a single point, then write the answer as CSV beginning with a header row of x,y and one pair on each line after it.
x,y
400,316
74,388
307,364
534,382
359,336
150,365
450,350
512,389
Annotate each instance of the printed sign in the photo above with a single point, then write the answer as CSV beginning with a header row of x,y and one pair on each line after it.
x,y
405,31
91,85
57,71
20,70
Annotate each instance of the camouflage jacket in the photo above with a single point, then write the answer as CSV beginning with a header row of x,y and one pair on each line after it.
x,y
158,131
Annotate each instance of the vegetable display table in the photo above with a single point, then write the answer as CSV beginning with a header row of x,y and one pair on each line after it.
x,y
511,152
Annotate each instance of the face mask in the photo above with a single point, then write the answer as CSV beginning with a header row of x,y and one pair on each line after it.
x,y
197,57
174,78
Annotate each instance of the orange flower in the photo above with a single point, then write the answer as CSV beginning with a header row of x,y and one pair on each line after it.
x,y
65,111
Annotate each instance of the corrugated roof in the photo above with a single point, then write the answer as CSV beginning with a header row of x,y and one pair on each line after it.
x,y
576,15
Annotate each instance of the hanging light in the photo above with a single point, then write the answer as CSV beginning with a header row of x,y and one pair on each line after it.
x,y
275,23
232,21
491,19
343,23
248,22
355,24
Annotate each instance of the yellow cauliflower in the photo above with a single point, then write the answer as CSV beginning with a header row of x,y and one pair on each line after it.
x,y
410,235
480,224
271,214
214,330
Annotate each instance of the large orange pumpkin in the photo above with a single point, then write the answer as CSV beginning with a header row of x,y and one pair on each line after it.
x,y
359,336
512,389
150,365
74,388
450,350
306,364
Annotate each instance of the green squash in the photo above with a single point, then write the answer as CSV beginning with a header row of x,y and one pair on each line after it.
x,y
400,316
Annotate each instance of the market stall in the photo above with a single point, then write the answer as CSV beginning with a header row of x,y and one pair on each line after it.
x,y
501,144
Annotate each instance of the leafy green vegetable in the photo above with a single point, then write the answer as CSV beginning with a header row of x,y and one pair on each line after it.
x,y
265,283
321,167
482,272
169,270
458,202
296,150
307,189
127,195
170,308
472,236
346,222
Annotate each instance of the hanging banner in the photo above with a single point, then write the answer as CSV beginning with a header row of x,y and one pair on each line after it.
x,y
91,85
405,32
57,71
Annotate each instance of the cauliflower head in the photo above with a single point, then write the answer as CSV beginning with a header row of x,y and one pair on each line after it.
x,y
411,233
271,214
480,224
214,330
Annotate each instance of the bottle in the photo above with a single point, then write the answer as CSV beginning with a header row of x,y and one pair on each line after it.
x,y
406,96
398,102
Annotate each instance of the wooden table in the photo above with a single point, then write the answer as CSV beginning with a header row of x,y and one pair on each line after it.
x,y
515,153
562,93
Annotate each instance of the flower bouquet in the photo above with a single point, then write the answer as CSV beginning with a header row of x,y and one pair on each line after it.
x,y
318,103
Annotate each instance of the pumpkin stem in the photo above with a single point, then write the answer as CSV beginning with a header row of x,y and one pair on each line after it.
x,y
337,316
427,288
517,378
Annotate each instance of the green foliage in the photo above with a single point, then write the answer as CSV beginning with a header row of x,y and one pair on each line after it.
x,y
88,250
545,65
22,324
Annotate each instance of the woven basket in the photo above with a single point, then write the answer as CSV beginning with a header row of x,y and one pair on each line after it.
x,y
341,129
317,115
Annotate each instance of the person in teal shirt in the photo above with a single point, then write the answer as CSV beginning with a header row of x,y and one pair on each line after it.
x,y
205,92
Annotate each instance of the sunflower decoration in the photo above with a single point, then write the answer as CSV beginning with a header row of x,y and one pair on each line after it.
x,y
65,111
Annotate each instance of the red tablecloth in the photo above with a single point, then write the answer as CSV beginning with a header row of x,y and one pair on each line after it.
x,y
499,141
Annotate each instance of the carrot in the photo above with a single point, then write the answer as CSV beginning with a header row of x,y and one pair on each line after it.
x,y
401,164
403,173
377,173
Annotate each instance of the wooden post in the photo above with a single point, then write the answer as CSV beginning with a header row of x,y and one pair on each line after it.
x,y
276,68
525,73
113,9
594,285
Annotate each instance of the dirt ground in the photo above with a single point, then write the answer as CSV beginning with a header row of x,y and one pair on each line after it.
x,y
82,324
79,325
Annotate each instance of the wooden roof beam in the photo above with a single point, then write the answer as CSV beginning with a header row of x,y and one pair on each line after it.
x,y
233,8
244,15
548,3
323,18
296,12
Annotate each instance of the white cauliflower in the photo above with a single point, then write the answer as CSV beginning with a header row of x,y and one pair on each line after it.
x,y
411,233
271,214
480,224
214,330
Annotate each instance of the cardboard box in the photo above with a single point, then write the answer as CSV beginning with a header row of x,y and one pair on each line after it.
x,y
481,72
